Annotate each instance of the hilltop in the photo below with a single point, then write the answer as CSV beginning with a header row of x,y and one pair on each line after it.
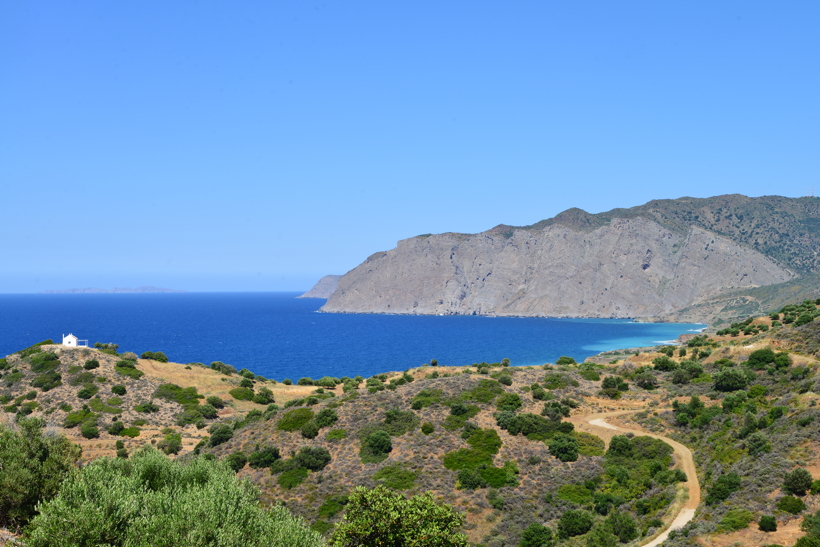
x,y
705,260
606,452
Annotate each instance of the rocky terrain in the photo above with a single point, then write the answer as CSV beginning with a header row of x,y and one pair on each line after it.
x,y
663,260
323,288
718,435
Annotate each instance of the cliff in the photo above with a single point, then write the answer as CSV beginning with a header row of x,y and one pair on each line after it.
x,y
649,261
323,288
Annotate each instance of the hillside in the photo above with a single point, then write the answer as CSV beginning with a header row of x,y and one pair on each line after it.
x,y
86,391
600,453
662,260
775,395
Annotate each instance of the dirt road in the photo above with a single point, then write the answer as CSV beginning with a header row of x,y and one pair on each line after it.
x,y
598,424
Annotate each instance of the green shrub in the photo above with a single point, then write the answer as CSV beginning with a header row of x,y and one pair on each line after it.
x,y
74,419
306,381
427,428
536,535
293,420
88,391
484,392
207,411
34,465
590,375
375,447
466,458
292,477
564,447
415,521
791,504
171,444
797,482
767,523
589,444
574,493
622,525
735,519
118,389
336,435
729,379
220,434
177,394
508,401
149,499
97,405
426,397
486,440
47,380
564,360
130,432
263,457
396,477
215,402
129,371
89,430
147,407
236,461
664,364
222,368
326,417
556,380
263,397
242,393
91,364
310,430
574,523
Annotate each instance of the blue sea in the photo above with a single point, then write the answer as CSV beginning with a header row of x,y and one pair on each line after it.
x,y
279,336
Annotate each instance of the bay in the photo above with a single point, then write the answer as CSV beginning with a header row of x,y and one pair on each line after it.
x,y
279,336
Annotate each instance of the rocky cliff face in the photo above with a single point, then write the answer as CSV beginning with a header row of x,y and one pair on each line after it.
x,y
623,267
323,288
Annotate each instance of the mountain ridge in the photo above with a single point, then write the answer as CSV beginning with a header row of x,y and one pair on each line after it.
x,y
650,261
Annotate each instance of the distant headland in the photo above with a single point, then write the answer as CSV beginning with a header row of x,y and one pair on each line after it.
x,y
95,290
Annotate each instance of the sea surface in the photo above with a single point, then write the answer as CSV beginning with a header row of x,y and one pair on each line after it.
x,y
279,336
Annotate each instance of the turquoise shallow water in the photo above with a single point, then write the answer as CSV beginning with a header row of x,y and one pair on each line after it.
x,y
279,336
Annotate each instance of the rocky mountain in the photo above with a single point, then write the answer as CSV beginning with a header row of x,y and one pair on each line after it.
x,y
323,288
649,261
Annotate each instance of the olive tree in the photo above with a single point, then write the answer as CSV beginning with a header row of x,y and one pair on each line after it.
x,y
152,500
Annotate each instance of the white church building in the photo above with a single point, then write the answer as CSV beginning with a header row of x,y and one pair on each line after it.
x,y
71,341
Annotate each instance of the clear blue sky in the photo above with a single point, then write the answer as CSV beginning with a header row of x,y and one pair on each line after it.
x,y
260,145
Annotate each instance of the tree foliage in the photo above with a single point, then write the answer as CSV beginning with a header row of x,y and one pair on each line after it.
x,y
33,464
388,519
151,500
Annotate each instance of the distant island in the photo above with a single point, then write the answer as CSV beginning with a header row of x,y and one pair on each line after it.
x,y
96,290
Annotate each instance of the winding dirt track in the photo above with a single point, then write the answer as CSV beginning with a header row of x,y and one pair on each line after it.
x,y
597,424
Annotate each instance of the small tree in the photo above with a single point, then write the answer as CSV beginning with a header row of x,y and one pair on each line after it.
x,y
574,523
536,535
767,523
623,526
730,379
388,519
797,482
564,447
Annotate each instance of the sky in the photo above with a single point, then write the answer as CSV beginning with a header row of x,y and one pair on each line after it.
x,y
257,146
